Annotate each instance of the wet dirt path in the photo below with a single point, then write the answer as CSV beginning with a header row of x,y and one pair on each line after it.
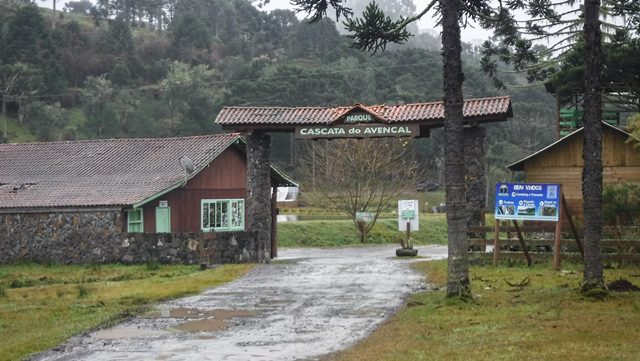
x,y
308,303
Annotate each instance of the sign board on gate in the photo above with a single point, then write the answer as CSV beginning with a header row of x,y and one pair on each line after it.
x,y
528,201
408,213
365,130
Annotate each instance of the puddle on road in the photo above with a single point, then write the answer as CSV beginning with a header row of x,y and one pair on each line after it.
x,y
179,312
207,325
200,320
119,332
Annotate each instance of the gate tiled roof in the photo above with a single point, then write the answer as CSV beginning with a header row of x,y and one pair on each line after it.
x,y
488,109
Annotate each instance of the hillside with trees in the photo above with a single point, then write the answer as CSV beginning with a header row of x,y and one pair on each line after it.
x,y
121,69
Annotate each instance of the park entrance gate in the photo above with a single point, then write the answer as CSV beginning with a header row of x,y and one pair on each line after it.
x,y
358,121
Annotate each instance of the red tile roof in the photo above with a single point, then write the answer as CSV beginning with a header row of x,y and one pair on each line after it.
x,y
496,109
113,172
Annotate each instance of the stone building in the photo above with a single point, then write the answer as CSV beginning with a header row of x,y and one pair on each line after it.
x,y
128,200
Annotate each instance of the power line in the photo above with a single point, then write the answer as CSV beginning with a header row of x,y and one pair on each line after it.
x,y
77,91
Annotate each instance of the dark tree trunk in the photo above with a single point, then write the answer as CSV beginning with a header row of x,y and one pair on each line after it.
x,y
592,152
458,265
53,18
4,117
475,182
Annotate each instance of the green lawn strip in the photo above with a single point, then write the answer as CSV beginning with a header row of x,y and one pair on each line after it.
x,y
433,230
66,300
546,320
17,133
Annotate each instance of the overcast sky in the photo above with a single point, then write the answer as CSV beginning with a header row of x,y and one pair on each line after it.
x,y
425,24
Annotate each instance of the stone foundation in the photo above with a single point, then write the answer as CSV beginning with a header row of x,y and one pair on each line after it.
x,y
97,237
190,248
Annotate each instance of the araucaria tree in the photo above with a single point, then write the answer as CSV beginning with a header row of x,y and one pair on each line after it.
x,y
364,175
592,152
570,26
458,265
372,32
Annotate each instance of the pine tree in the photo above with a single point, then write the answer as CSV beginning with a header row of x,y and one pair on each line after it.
x,y
372,32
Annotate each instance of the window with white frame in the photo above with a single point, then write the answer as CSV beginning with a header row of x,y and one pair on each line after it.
x,y
134,221
222,215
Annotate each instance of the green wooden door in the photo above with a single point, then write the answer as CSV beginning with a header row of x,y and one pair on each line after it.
x,y
163,220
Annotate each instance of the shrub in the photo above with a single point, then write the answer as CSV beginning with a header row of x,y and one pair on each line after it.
x,y
153,265
19,283
621,204
83,291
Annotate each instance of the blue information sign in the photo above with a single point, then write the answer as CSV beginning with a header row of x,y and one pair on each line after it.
x,y
528,201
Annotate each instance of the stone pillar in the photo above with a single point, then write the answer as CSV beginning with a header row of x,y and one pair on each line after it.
x,y
475,181
259,193
274,222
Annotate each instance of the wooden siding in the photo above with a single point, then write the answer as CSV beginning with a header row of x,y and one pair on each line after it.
x,y
224,178
563,164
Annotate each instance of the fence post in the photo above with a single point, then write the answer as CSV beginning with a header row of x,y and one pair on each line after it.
x,y
496,243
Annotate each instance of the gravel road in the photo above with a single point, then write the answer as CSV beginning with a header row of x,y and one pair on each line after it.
x,y
308,303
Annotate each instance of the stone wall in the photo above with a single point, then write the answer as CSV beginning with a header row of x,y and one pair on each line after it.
x,y
65,237
97,237
190,248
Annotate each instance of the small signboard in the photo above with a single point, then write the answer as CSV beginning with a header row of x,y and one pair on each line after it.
x,y
408,213
364,217
528,201
163,204
358,118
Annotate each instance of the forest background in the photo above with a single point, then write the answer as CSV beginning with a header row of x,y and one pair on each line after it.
x,y
162,68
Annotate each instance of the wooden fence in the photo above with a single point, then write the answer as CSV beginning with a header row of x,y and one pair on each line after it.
x,y
539,242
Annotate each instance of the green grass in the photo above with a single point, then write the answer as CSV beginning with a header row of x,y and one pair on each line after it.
x,y
19,133
42,305
546,320
76,122
16,132
328,233
310,202
430,199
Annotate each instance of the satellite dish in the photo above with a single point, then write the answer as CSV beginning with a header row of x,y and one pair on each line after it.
x,y
187,164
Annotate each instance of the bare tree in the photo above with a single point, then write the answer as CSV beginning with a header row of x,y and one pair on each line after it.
x,y
364,175
372,32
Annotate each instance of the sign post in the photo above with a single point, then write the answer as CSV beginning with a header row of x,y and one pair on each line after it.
x,y
362,218
408,220
408,216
